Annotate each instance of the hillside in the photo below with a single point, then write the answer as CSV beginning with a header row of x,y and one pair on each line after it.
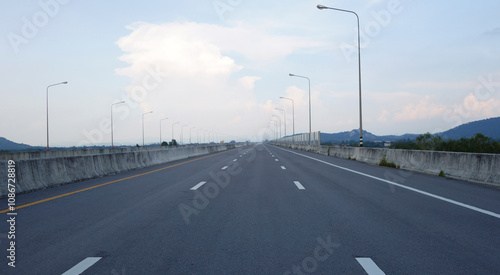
x,y
367,136
488,127
8,145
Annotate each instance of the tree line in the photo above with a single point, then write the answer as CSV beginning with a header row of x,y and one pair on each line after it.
x,y
477,144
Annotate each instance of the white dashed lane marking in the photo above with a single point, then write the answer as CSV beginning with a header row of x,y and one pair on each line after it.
x,y
297,183
82,266
370,266
198,185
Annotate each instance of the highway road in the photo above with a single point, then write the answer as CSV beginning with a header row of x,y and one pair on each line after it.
x,y
260,209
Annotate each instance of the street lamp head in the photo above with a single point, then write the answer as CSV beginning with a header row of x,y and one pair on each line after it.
x,y
65,82
291,74
321,7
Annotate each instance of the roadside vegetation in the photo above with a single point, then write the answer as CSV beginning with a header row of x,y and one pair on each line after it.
x,y
386,163
477,144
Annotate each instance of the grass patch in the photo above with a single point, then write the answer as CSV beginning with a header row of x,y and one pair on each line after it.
x,y
441,173
385,163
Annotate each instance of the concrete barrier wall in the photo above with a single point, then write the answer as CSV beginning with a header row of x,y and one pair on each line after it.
x,y
38,170
482,168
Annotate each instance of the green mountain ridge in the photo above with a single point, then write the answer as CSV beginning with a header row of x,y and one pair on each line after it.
x,y
489,127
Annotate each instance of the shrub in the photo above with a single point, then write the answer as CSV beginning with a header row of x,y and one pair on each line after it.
x,y
385,163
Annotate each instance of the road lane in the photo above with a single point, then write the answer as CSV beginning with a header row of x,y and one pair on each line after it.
x,y
251,218
402,224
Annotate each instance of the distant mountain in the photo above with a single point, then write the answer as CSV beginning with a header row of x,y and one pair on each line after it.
x,y
8,145
367,136
489,127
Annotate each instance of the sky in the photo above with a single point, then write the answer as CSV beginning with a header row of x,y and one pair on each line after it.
x,y
217,69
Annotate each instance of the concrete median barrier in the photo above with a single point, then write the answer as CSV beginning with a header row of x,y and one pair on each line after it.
x,y
39,170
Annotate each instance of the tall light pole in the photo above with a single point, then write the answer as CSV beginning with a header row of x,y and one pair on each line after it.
x,y
143,126
182,133
278,124
198,136
190,134
309,102
112,145
272,123
284,118
293,113
47,102
321,7
173,129
160,128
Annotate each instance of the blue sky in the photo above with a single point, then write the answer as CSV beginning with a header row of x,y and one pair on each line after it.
x,y
219,67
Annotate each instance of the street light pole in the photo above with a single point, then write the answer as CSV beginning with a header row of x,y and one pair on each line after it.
x,y
173,130
279,124
47,103
293,114
190,134
112,145
198,136
160,128
271,124
182,133
321,7
309,102
143,126
284,118
275,124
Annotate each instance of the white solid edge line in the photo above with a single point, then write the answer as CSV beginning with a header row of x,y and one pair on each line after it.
x,y
370,266
477,209
300,186
198,185
283,167
82,266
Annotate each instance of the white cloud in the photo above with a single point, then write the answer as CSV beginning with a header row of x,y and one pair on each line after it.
x,y
197,64
248,82
403,107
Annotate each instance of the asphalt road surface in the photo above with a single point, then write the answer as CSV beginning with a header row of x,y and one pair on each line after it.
x,y
260,209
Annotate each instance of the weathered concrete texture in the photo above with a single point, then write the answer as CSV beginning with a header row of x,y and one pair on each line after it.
x,y
38,170
481,168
